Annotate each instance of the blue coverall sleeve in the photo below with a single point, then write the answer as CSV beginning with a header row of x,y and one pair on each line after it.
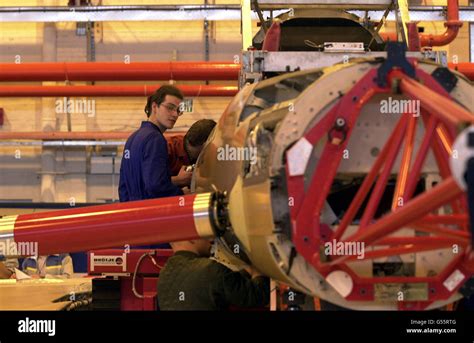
x,y
155,173
123,191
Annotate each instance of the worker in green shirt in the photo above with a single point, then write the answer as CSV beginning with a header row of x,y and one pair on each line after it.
x,y
191,280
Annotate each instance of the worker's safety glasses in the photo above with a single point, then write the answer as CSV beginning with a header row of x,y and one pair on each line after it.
x,y
173,108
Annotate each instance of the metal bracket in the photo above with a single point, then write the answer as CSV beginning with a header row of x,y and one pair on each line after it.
x,y
445,78
395,58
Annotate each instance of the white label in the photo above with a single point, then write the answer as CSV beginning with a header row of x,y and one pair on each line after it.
x,y
109,260
454,280
298,157
343,47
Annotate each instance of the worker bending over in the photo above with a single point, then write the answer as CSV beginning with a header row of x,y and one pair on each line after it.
x,y
191,280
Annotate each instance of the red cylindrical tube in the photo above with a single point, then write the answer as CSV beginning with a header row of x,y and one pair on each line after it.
x,y
453,24
134,223
118,71
74,135
465,68
103,91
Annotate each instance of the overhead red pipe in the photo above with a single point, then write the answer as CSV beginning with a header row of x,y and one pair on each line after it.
x,y
64,135
444,39
118,71
84,135
465,68
389,36
453,24
112,225
87,71
103,91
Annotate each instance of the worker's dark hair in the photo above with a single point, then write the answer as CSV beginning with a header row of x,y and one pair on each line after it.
x,y
159,96
199,132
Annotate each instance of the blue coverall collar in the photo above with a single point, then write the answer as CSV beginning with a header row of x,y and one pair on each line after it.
x,y
150,124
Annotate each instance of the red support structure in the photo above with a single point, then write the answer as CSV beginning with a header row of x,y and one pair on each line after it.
x,y
368,182
422,240
435,103
413,247
420,159
379,189
419,206
400,189
440,230
441,116
306,228
452,219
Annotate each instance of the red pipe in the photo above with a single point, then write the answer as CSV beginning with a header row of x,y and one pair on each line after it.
x,y
84,135
103,91
453,24
87,71
444,39
114,225
389,36
465,68
118,71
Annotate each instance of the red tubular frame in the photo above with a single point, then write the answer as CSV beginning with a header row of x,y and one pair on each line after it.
x,y
307,216
382,181
367,183
440,230
400,188
440,115
452,219
433,102
414,209
420,159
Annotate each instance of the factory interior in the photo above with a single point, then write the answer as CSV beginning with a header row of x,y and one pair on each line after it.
x,y
245,156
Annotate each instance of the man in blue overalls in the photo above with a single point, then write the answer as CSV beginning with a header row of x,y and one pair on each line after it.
x,y
145,172
56,266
